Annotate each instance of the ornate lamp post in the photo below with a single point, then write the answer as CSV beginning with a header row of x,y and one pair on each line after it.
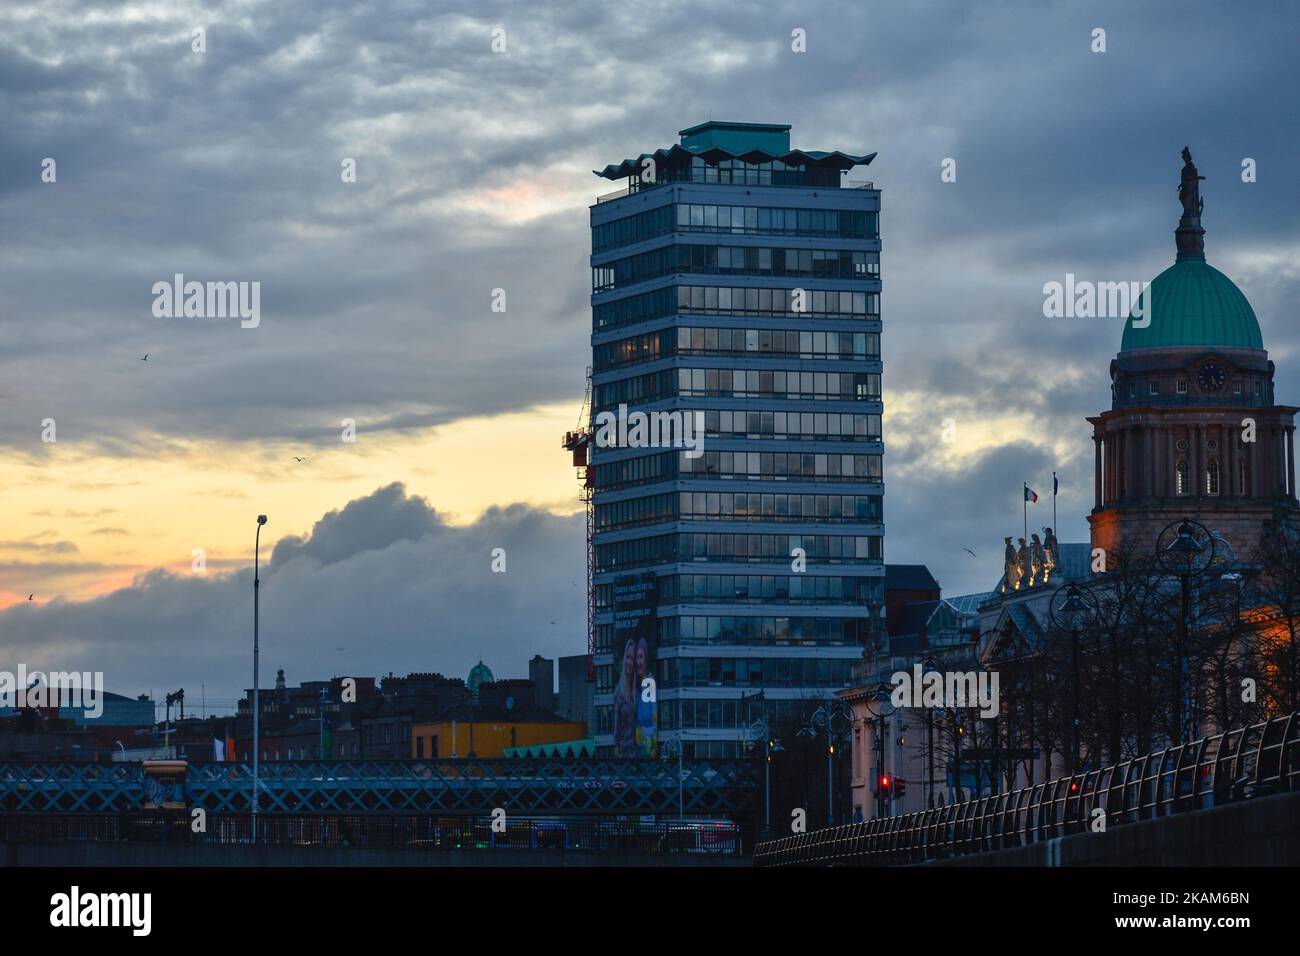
x,y
1073,607
927,665
1185,549
835,718
880,705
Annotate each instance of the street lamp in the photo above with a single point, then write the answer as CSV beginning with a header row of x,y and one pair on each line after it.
x,y
1191,550
771,745
324,697
879,705
1072,606
835,717
929,664
257,740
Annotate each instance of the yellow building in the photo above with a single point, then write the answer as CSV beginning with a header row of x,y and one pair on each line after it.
x,y
485,730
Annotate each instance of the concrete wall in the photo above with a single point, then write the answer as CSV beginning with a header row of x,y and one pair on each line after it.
x,y
1260,832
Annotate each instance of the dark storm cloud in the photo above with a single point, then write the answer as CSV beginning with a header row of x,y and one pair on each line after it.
x,y
375,295
383,578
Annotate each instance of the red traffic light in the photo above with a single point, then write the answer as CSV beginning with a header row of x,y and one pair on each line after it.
x,y
885,782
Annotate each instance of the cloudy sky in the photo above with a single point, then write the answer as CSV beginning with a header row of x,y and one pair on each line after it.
x,y
474,173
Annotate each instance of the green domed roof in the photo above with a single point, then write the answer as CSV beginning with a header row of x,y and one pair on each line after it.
x,y
1194,304
478,674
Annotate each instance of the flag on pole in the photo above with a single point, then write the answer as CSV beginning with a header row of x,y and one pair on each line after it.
x,y
1030,495
218,749
1056,485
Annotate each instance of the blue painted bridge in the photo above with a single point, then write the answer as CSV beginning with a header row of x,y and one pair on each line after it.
x,y
590,787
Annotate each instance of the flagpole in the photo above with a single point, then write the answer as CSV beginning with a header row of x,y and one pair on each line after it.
x,y
1054,530
1024,507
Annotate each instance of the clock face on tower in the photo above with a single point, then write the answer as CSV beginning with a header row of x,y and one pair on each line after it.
x,y
1211,377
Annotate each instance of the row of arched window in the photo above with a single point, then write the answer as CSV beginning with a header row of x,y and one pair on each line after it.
x,y
1212,481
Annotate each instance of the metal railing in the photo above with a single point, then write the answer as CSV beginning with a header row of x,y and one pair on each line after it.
x,y
1225,768
641,187
408,832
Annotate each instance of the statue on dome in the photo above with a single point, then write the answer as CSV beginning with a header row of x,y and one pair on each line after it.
x,y
1011,567
1022,559
1189,187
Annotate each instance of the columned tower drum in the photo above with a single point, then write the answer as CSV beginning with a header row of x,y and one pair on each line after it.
x,y
1192,428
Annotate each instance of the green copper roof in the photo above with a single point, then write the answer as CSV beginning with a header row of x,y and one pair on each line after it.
x,y
480,673
737,137
1194,304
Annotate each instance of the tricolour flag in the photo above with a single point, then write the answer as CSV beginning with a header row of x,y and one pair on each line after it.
x,y
1030,495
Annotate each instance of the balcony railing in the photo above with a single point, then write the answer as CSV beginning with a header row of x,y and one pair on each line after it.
x,y
640,186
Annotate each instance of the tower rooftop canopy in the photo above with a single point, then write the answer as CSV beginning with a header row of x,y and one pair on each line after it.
x,y
717,141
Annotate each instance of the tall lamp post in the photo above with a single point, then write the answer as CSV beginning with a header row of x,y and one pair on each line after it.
x,y
880,705
771,747
835,717
323,699
1072,607
1190,550
929,664
257,740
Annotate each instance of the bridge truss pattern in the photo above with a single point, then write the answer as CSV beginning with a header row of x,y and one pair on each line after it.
x,y
470,786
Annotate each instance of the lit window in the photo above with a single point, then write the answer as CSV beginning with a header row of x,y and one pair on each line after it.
x,y
1154,388
1180,476
1212,478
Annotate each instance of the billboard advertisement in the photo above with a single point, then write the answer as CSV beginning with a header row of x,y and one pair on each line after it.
x,y
636,707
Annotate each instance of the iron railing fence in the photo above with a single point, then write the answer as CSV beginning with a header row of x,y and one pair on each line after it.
x,y
412,832
1224,768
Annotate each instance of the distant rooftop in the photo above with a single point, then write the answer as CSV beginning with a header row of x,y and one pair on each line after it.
x,y
969,603
909,577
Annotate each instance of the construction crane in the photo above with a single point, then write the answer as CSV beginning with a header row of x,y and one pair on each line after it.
x,y
578,442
